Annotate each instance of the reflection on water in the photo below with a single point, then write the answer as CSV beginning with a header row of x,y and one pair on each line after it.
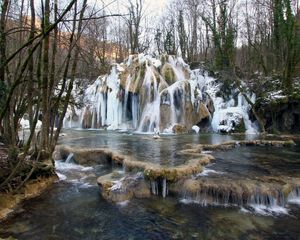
x,y
162,151
251,162
74,209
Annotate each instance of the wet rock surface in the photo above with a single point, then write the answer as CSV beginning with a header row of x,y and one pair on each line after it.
x,y
151,177
275,191
116,189
281,115
9,202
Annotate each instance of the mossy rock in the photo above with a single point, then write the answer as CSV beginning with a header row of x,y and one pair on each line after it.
x,y
240,127
168,74
163,59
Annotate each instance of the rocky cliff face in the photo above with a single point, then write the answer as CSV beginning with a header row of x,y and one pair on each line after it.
x,y
281,114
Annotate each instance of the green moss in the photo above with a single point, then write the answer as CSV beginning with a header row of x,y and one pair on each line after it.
x,y
168,74
289,143
142,71
172,176
287,188
153,174
240,128
163,59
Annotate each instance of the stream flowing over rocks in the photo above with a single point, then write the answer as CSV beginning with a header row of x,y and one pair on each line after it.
x,y
118,184
191,176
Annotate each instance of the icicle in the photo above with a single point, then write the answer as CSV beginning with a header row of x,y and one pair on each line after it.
x,y
154,187
125,102
135,110
164,188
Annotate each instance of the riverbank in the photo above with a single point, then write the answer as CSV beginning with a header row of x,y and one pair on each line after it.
x,y
10,202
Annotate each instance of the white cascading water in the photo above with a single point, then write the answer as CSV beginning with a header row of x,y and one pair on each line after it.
x,y
112,103
151,114
69,158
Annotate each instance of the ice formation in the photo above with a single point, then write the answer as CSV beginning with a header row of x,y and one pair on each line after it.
x,y
145,93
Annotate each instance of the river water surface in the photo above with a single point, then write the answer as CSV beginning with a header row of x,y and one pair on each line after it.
x,y
74,209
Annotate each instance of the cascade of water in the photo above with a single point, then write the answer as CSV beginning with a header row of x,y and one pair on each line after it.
x,y
125,103
164,188
110,102
172,106
103,109
151,113
135,110
214,196
69,158
294,196
97,109
176,66
82,117
94,117
114,105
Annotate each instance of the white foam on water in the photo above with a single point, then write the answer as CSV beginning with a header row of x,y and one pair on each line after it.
x,y
123,204
244,210
61,176
86,185
207,172
85,169
294,200
294,197
64,166
187,201
206,152
196,129
269,210
258,209
117,185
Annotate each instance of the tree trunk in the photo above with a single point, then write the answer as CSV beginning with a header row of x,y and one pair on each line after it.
x,y
45,79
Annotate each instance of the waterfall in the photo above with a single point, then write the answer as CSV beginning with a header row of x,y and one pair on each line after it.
x,y
264,198
69,159
142,95
124,116
135,110
172,107
151,113
159,187
294,196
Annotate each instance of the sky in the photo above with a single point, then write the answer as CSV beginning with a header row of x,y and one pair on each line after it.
x,y
153,7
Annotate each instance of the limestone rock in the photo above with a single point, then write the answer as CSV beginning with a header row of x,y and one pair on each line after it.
x,y
179,129
118,190
168,74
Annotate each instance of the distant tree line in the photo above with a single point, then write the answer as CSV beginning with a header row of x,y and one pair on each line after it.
x,y
252,35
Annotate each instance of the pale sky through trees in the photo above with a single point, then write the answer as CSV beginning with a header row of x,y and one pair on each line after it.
x,y
153,7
